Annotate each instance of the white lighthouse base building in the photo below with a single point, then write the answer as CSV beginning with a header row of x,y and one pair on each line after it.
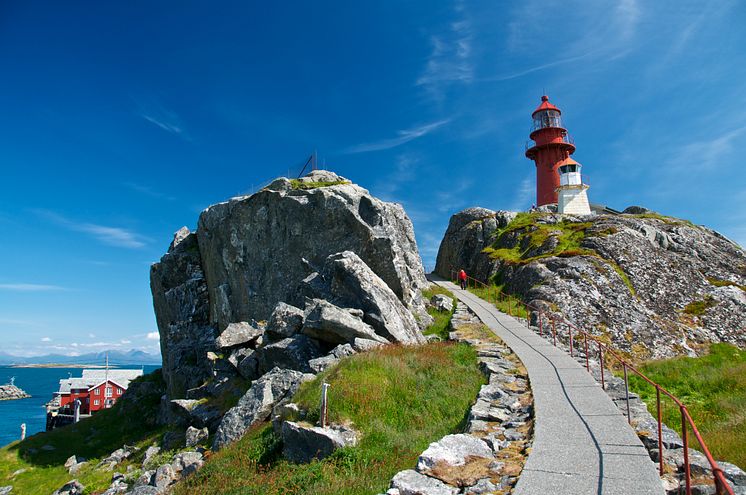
x,y
573,200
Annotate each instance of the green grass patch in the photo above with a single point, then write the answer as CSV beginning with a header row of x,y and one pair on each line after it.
x,y
501,301
43,455
299,184
713,388
665,219
400,398
531,235
697,308
441,319
725,283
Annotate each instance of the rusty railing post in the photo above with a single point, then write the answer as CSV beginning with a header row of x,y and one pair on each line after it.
x,y
554,332
685,438
626,391
660,433
587,362
601,360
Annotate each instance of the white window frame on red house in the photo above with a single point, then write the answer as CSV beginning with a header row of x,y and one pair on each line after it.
x,y
96,402
108,392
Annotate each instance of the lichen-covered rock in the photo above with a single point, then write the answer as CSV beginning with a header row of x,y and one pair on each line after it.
x,y
657,286
348,281
285,321
73,487
256,405
180,300
410,482
303,443
332,324
238,334
441,302
257,249
194,436
292,353
453,450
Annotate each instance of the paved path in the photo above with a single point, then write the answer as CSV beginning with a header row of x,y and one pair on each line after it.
x,y
582,442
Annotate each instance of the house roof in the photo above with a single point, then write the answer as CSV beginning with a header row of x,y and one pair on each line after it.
x,y
94,378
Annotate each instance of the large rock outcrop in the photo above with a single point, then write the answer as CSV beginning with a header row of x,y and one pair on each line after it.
x,y
657,286
280,279
257,249
182,311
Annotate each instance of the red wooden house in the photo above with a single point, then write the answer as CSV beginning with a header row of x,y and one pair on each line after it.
x,y
96,389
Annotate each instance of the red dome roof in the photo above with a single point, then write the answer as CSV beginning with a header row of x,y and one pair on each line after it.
x,y
545,105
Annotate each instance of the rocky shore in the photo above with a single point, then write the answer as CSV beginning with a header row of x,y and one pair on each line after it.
x,y
11,392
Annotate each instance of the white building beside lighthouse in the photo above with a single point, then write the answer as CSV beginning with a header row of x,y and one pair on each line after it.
x,y
571,193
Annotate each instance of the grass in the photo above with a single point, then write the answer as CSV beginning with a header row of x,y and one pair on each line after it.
x,y
725,283
400,398
531,235
93,439
503,305
698,308
299,184
713,388
665,219
441,319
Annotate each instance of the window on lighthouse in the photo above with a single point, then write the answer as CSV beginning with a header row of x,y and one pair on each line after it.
x,y
547,118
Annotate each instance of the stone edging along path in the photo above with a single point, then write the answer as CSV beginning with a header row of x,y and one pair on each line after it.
x,y
489,456
582,443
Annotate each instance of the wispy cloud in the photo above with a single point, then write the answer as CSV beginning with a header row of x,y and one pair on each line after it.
x,y
46,339
31,288
157,114
147,191
523,72
709,152
450,57
404,172
113,236
403,136
153,336
523,194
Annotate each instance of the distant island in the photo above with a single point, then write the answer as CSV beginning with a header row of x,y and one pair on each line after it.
x,y
11,392
116,358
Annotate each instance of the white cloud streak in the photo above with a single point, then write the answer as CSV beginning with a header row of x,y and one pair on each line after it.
x,y
153,336
21,287
404,136
523,194
147,191
113,236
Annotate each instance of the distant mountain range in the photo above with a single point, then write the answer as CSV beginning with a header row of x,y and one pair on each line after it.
x,y
115,358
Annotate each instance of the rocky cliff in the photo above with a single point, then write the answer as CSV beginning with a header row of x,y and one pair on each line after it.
x,y
655,285
275,287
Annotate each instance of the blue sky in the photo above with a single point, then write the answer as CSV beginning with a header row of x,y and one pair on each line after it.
x,y
120,122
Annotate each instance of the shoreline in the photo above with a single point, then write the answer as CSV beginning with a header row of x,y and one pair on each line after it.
x,y
59,365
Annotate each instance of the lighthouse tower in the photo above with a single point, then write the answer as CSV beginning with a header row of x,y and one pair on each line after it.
x,y
550,148
571,192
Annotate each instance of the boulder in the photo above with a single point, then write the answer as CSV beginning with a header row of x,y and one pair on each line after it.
x,y
362,345
285,321
253,247
186,463
180,300
454,450
441,302
194,436
248,367
194,412
292,353
173,440
150,453
352,283
164,477
144,490
256,405
320,364
238,334
332,324
73,487
5,490
411,482
302,442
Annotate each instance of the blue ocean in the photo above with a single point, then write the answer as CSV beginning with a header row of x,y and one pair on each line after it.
x,y
40,383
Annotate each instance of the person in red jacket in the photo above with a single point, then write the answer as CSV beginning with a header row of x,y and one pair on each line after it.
x,y
462,279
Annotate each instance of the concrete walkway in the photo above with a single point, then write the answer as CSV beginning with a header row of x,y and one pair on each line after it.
x,y
582,442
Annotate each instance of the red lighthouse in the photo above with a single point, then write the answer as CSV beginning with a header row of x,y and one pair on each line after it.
x,y
551,147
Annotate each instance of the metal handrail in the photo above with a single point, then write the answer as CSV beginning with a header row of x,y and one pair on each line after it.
x,y
721,483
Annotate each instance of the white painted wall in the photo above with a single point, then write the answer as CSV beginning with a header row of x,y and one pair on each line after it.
x,y
573,201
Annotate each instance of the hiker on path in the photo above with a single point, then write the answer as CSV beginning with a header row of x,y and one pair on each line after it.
x,y
462,279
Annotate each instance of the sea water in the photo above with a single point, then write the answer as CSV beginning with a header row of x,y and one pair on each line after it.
x,y
40,383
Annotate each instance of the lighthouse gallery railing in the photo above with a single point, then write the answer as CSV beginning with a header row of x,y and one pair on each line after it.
x,y
494,294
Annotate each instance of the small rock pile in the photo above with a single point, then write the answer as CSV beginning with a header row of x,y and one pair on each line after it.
x,y
490,455
11,392
646,427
